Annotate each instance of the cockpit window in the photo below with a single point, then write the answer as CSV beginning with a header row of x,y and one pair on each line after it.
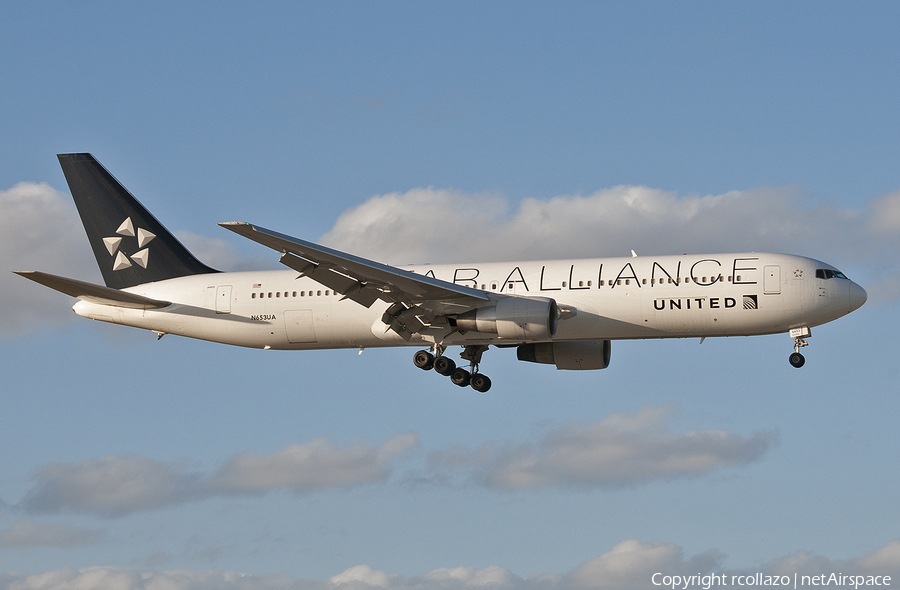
x,y
827,273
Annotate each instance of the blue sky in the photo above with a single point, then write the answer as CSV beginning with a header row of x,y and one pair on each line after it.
x,y
427,133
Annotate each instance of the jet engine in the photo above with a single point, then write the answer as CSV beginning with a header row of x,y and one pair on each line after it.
x,y
516,318
579,355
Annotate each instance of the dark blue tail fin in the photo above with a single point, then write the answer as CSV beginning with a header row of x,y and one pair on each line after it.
x,y
130,245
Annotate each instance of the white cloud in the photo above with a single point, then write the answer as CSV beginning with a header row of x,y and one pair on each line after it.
x,y
39,230
222,255
118,485
426,224
361,575
630,564
315,465
28,533
619,450
113,485
127,578
420,225
883,561
886,213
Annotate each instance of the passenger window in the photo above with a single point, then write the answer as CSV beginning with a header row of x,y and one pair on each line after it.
x,y
253,296
645,281
295,294
319,293
326,293
564,283
589,283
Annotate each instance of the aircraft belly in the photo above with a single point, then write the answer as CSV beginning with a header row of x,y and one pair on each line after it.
x,y
683,316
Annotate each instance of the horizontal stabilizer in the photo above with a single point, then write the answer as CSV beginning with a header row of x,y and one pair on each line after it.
x,y
91,292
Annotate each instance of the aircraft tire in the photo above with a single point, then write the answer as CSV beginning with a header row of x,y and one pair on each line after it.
x,y
480,383
797,360
460,377
444,366
424,360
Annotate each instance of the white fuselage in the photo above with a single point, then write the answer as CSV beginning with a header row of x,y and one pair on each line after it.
x,y
608,298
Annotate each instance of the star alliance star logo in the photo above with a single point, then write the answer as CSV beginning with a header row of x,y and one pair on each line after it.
x,y
123,261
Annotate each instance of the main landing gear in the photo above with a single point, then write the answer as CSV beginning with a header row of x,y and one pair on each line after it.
x,y
796,359
458,375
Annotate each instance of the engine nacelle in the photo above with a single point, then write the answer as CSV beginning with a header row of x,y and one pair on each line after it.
x,y
516,318
579,355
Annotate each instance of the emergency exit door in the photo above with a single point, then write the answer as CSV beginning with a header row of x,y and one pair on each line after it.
x,y
772,280
223,299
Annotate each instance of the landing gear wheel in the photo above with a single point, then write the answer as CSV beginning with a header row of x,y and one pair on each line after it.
x,y
796,359
460,377
424,360
445,366
480,383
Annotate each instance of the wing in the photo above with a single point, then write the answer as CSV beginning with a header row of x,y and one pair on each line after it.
x,y
418,303
91,292
359,279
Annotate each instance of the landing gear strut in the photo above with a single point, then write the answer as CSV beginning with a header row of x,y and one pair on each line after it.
x,y
796,359
443,365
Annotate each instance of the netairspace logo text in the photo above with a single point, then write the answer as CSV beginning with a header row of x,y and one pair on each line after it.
x,y
796,581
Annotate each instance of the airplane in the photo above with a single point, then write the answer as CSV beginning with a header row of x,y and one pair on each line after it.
x,y
556,312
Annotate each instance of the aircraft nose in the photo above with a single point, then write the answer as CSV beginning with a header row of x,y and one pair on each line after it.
x,y
858,296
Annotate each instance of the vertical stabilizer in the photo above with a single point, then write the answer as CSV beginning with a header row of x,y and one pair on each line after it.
x,y
130,245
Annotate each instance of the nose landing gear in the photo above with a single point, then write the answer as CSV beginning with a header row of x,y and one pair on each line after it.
x,y
458,376
796,359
